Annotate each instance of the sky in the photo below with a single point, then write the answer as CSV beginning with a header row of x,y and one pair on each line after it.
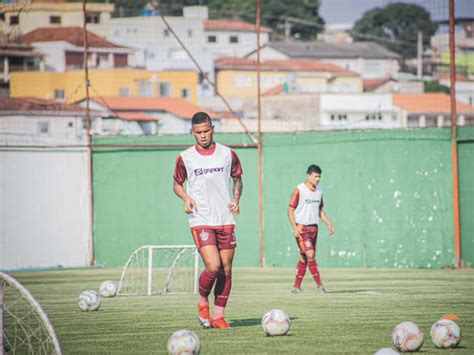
x,y
349,11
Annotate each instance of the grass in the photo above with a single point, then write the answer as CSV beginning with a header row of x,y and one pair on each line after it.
x,y
356,316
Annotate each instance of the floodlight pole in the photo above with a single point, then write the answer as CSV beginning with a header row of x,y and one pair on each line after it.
x,y
454,148
259,142
88,135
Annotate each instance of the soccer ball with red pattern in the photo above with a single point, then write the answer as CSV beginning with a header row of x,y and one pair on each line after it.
x,y
445,334
275,322
407,336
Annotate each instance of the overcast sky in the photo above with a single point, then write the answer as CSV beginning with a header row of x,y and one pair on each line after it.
x,y
349,11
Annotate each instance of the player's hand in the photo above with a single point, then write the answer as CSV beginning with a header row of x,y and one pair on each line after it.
x,y
234,207
297,233
189,205
331,229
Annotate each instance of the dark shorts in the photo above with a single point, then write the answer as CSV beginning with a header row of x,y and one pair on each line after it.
x,y
222,237
310,234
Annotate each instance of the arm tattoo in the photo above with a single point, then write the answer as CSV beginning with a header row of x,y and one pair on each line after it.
x,y
238,187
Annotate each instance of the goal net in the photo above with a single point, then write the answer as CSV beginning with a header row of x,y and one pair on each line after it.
x,y
160,269
24,326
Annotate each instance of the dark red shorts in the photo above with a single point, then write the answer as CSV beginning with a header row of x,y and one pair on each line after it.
x,y
310,234
222,237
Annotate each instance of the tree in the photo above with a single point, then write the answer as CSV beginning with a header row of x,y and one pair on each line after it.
x,y
396,27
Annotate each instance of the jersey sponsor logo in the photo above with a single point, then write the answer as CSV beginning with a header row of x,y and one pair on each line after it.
x,y
308,243
310,200
201,171
204,235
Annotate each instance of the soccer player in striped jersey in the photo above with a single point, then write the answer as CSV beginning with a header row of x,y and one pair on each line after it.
x,y
304,212
210,202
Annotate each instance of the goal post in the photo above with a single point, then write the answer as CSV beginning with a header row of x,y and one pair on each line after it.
x,y
24,325
160,269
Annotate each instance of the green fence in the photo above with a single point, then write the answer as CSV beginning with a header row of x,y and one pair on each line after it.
x,y
388,194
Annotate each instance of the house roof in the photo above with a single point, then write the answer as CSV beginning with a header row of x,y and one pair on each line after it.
x,y
18,50
296,64
135,116
372,84
429,103
36,104
232,25
72,35
178,107
320,50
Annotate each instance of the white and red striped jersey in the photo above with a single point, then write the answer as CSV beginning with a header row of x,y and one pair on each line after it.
x,y
307,204
208,173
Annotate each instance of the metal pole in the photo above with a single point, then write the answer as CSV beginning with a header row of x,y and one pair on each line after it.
x,y
259,142
419,50
88,136
454,148
1,316
150,270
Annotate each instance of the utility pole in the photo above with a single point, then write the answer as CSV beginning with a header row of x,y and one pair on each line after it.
x,y
419,52
287,27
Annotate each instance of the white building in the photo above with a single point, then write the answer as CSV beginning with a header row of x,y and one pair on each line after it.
x,y
464,89
368,59
359,111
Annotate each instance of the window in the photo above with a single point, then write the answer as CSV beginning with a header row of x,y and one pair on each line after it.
x,y
211,39
70,124
234,39
166,33
190,33
43,127
59,94
342,117
92,17
14,20
185,93
144,88
124,91
55,20
332,117
2,16
164,89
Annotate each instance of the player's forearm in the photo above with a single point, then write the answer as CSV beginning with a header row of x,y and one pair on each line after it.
x,y
180,191
237,189
325,218
291,216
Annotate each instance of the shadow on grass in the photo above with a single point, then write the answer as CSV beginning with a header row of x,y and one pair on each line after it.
x,y
249,322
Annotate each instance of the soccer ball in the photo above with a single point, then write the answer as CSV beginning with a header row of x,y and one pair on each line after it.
x,y
386,351
108,288
183,342
275,322
89,301
445,334
407,336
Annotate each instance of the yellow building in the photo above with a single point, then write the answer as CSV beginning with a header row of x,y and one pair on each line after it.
x,y
69,86
238,77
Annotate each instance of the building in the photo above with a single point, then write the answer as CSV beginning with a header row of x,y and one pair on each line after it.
x,y
33,118
368,59
23,16
157,115
16,57
158,49
351,111
63,49
69,86
432,110
238,77
464,88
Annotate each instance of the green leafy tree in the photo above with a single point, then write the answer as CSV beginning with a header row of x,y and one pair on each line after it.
x,y
396,27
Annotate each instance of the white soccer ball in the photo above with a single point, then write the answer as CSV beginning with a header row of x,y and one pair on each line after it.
x,y
445,334
275,322
183,342
386,351
407,336
89,301
108,288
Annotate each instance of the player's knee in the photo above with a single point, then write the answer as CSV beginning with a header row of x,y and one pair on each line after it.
x,y
310,255
213,268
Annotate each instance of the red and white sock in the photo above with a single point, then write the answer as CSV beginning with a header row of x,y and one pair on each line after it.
x,y
222,292
300,271
313,269
206,281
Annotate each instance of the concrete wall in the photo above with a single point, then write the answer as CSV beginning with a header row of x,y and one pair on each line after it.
x,y
44,210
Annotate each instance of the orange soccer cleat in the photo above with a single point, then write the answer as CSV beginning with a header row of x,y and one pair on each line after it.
x,y
220,323
203,315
